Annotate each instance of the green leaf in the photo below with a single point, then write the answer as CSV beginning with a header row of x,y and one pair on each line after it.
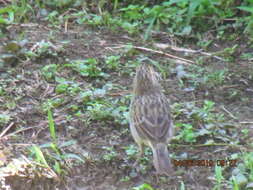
x,y
67,143
150,26
51,125
144,186
4,118
72,156
247,9
182,186
39,155
218,174
61,88
193,5
240,179
186,30
57,167
3,21
6,10
46,145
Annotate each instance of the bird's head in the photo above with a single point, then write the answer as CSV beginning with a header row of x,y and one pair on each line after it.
x,y
146,79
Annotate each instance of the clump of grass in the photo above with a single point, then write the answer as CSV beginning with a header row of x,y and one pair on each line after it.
x,y
52,155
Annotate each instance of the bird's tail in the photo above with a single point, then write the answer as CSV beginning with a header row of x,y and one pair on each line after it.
x,y
161,159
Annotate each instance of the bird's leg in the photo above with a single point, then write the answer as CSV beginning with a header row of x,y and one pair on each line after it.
x,y
157,177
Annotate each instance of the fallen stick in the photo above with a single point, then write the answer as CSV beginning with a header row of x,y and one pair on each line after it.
x,y
185,61
163,53
7,129
22,130
195,51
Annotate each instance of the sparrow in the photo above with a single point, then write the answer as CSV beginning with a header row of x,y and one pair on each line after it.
x,y
150,119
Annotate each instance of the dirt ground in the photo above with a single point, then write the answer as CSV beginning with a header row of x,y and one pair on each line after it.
x,y
26,90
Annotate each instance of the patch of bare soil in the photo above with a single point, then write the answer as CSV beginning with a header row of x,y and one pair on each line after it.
x,y
26,90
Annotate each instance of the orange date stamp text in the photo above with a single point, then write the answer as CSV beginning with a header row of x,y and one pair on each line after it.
x,y
204,163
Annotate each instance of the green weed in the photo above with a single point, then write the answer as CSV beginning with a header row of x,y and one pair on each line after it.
x,y
52,154
53,18
110,154
182,185
49,72
112,62
131,151
87,68
4,119
218,177
248,20
44,49
144,186
187,132
52,103
6,15
66,86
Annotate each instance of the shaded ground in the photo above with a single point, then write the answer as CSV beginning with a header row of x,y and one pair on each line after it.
x,y
26,90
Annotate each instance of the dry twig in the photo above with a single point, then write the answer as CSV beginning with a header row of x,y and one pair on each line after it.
x,y
7,129
195,51
229,113
185,61
21,130
246,122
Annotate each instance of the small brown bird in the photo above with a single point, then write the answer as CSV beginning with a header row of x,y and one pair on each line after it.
x,y
150,119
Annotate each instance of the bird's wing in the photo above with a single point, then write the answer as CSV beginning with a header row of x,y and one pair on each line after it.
x,y
151,117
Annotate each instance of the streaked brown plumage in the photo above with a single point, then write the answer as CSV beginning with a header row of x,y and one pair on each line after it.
x,y
150,120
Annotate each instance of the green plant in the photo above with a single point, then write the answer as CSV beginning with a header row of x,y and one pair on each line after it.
x,y
205,113
125,179
99,110
51,125
187,133
4,118
49,71
98,107
143,186
218,177
216,78
53,17
51,154
132,12
182,186
66,86
1,91
112,62
103,110
239,180
6,15
120,114
110,154
248,20
176,16
39,156
131,151
88,67
21,10
247,56
44,49
197,76
235,184
248,162
52,103
155,16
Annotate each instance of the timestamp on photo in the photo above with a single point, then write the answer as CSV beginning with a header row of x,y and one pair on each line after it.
x,y
204,163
